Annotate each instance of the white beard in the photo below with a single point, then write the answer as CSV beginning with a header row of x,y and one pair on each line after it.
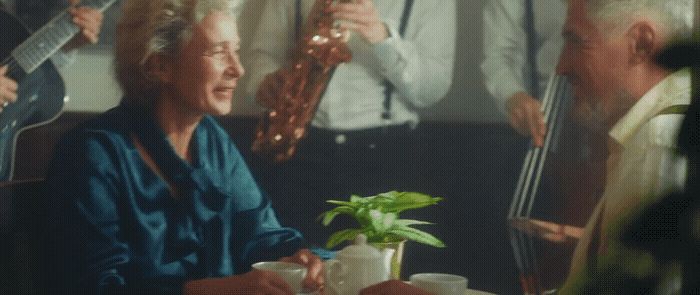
x,y
597,117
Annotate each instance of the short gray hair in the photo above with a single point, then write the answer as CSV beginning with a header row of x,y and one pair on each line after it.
x,y
150,27
675,16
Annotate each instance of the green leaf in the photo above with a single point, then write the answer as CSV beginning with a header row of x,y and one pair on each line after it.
x,y
416,235
390,195
388,220
410,200
376,218
381,221
343,235
328,216
357,199
409,222
362,216
342,203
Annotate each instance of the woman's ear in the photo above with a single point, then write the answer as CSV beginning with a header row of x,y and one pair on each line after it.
x,y
159,68
645,42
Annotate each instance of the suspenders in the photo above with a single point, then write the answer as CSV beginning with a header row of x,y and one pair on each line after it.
x,y
531,37
298,19
679,109
388,87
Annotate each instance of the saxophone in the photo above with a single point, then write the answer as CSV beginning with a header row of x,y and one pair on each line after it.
x,y
304,80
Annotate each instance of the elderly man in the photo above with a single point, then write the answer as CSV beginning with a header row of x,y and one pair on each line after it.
x,y
609,57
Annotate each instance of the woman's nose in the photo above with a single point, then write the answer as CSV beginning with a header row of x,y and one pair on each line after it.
x,y
235,68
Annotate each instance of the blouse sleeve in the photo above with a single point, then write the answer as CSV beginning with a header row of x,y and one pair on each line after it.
x,y
85,200
257,235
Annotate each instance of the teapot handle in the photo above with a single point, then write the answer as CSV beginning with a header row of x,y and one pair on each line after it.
x,y
335,272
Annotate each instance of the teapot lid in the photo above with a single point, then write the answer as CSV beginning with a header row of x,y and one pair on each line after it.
x,y
360,249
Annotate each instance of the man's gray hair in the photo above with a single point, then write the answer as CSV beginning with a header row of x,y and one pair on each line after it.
x,y
675,16
150,27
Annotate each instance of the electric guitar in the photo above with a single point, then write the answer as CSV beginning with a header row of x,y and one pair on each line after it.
x,y
41,93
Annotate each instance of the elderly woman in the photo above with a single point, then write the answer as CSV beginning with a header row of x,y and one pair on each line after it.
x,y
152,196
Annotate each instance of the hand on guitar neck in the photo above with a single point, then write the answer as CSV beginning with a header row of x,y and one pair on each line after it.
x,y
89,20
525,116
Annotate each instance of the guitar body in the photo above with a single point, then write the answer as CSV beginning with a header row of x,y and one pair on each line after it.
x,y
40,97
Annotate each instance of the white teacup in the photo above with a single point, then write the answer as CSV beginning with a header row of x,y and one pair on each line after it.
x,y
292,273
440,283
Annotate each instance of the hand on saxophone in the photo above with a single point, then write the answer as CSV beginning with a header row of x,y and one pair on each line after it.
x,y
362,17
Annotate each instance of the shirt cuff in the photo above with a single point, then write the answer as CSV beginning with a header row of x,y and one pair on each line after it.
x,y
388,51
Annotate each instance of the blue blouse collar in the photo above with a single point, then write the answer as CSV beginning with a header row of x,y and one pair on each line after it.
x,y
174,168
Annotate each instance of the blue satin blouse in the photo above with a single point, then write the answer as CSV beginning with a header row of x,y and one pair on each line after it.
x,y
119,227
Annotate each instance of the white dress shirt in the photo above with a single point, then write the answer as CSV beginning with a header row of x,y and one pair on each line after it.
x,y
643,165
505,67
419,65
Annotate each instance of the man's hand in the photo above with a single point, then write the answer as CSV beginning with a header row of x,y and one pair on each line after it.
x,y
314,275
362,17
89,21
393,287
8,89
526,117
253,282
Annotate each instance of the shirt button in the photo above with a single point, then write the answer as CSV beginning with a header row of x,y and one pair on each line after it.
x,y
372,146
340,139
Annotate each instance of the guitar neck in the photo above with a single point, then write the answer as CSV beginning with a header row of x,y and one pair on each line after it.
x,y
51,37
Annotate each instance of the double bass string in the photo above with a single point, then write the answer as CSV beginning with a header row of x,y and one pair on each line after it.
x,y
528,182
554,126
531,158
552,116
522,250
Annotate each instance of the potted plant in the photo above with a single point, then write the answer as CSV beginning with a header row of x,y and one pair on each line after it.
x,y
378,219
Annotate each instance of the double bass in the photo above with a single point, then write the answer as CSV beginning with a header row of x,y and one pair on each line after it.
x,y
558,187
304,80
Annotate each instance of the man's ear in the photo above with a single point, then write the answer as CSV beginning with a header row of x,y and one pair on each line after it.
x,y
160,68
645,42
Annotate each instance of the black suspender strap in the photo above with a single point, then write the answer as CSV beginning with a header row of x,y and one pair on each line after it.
x,y
404,17
679,109
388,87
531,36
298,19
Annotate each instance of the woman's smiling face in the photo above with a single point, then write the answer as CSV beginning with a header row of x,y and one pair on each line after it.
x,y
207,70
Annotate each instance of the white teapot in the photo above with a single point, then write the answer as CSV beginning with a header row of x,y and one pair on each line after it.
x,y
356,267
